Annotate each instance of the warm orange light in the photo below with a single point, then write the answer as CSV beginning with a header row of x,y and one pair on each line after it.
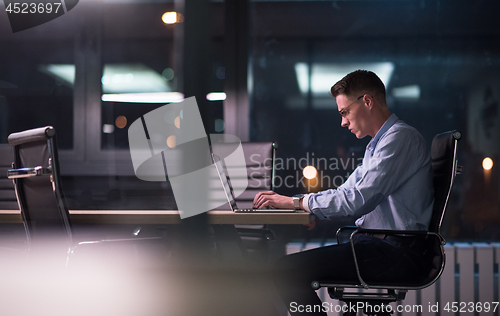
x,y
309,172
121,121
177,122
487,163
171,17
171,141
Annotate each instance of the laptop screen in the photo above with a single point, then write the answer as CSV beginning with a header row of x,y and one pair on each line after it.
x,y
226,182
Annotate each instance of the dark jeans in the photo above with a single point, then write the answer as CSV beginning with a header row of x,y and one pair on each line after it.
x,y
386,259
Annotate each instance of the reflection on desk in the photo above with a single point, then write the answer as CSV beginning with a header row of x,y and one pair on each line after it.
x,y
167,217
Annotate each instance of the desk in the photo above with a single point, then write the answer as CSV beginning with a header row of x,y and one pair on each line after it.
x,y
227,238
161,217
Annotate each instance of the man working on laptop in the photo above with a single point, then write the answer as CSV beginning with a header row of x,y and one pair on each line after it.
x,y
392,190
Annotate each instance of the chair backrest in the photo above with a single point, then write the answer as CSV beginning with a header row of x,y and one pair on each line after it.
x,y
444,166
38,185
259,163
8,199
260,160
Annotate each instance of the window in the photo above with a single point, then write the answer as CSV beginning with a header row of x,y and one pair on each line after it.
x,y
439,62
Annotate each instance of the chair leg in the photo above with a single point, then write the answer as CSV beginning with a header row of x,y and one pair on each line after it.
x,y
380,312
373,309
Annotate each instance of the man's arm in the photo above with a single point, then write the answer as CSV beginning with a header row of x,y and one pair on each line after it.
x,y
397,158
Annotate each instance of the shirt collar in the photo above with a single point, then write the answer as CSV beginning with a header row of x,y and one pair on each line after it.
x,y
388,124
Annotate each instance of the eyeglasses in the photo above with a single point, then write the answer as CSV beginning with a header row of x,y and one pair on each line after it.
x,y
345,110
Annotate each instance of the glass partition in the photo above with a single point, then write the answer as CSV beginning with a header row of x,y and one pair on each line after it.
x,y
438,60
40,92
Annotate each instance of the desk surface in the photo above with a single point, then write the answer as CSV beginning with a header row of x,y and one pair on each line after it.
x,y
146,217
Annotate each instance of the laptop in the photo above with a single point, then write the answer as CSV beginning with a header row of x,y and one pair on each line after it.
x,y
228,191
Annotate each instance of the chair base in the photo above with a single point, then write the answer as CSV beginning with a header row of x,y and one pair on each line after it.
x,y
369,303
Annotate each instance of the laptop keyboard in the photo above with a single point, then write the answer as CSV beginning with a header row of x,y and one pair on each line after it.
x,y
249,210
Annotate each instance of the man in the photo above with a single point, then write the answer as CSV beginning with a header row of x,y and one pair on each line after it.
x,y
392,189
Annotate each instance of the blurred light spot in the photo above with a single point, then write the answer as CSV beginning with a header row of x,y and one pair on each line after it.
x,y
219,125
117,78
177,122
153,97
171,17
487,163
407,92
108,128
168,74
216,96
171,141
121,121
322,75
64,72
310,172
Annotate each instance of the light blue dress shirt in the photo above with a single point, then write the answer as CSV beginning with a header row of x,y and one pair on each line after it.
x,y
393,187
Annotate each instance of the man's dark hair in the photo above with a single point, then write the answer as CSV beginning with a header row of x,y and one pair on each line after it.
x,y
358,81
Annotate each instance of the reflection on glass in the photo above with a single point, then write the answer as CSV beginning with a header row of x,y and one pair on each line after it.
x,y
61,72
439,63
323,74
132,78
36,88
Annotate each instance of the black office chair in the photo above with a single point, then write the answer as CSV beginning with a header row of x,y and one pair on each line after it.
x,y
8,199
445,168
12,236
36,176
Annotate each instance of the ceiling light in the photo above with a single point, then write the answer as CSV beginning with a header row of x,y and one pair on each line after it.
x,y
325,75
216,96
407,92
158,97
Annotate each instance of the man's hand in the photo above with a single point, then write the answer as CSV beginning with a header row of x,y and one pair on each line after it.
x,y
272,200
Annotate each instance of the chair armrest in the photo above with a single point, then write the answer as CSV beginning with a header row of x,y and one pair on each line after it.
x,y
28,172
74,247
342,229
400,232
101,241
357,229
88,250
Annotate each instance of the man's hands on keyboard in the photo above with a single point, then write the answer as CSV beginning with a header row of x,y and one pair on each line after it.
x,y
272,200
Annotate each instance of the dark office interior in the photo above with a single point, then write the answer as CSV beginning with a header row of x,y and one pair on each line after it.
x,y
275,61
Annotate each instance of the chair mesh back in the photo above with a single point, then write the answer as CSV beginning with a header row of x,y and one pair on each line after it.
x,y
443,155
41,201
